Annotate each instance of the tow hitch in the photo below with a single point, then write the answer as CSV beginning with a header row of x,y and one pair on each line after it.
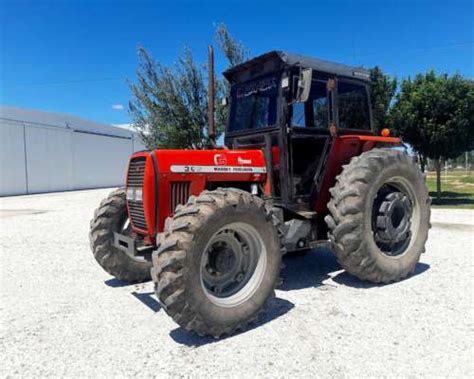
x,y
129,245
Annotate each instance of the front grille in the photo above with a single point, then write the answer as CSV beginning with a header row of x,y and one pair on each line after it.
x,y
179,193
135,210
136,173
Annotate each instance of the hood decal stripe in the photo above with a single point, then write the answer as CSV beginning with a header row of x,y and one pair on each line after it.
x,y
218,169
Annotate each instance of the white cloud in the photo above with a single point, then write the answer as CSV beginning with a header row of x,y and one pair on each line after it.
x,y
130,127
117,107
124,126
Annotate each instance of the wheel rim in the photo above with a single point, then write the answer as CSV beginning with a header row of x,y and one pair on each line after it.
x,y
233,264
395,215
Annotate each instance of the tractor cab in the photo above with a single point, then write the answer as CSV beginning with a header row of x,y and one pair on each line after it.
x,y
293,107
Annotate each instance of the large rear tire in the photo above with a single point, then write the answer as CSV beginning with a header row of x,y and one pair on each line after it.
x,y
218,261
110,217
379,216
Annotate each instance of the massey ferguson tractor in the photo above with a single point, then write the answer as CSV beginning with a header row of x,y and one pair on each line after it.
x,y
301,166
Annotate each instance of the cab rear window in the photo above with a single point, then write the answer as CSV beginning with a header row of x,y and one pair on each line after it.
x,y
353,106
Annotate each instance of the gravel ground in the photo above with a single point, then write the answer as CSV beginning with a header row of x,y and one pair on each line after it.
x,y
61,315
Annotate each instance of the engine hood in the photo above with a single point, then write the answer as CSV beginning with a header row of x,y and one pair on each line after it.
x,y
211,162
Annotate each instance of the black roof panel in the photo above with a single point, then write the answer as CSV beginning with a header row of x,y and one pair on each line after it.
x,y
290,59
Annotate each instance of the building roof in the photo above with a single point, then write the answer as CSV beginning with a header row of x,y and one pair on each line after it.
x,y
61,120
290,59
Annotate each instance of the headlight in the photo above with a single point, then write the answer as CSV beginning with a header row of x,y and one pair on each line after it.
x,y
134,194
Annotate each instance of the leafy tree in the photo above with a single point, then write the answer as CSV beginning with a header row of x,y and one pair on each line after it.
x,y
382,90
435,115
235,53
169,104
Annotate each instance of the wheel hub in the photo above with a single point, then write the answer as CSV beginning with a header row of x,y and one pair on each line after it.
x,y
392,221
222,259
229,263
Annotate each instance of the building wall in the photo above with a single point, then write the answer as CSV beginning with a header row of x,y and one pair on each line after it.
x,y
49,159
112,153
36,158
12,159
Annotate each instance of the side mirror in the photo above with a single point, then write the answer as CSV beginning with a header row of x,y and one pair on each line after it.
x,y
304,85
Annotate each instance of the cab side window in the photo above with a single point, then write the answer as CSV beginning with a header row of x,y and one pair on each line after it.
x,y
313,113
353,106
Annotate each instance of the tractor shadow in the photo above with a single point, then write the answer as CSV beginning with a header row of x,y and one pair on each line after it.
x,y
314,268
277,308
146,298
116,283
347,279
149,299
310,270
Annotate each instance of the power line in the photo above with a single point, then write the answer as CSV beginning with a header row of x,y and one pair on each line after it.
x,y
76,81
353,55
417,49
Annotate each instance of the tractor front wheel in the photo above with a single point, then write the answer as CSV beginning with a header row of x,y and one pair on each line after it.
x,y
218,261
379,216
110,217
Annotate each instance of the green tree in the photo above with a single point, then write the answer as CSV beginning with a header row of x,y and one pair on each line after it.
x,y
169,104
382,91
435,115
235,53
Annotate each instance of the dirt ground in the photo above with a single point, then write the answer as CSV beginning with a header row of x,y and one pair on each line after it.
x,y
61,315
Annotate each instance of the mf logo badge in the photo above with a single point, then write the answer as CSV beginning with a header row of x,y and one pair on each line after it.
x,y
220,159
243,161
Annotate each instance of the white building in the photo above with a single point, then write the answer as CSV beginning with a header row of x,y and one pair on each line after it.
x,y
46,152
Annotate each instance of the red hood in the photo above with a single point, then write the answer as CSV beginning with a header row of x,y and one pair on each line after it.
x,y
249,162
171,176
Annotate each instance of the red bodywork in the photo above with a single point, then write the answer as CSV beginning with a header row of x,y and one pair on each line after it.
x,y
342,150
198,169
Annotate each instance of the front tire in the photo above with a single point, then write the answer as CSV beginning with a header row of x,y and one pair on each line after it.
x,y
379,216
110,217
218,261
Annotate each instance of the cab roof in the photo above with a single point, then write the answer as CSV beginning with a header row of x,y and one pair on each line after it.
x,y
285,59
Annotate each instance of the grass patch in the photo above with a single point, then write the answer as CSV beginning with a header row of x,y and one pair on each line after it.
x,y
457,189
468,179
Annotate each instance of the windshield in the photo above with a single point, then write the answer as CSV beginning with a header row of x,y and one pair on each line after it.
x,y
254,104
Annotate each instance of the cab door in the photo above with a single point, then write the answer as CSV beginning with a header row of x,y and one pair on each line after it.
x,y
309,139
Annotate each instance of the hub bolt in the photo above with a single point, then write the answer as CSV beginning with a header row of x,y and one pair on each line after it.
x,y
217,289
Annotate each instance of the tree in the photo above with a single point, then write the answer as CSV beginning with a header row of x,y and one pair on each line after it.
x,y
435,115
169,104
235,53
382,90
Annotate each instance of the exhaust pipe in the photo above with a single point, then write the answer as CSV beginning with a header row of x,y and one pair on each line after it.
x,y
211,98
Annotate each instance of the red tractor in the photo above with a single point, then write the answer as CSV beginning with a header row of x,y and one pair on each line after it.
x,y
300,166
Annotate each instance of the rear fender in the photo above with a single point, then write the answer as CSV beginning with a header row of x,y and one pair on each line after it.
x,y
343,149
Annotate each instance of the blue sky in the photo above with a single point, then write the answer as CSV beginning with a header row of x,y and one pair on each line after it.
x,y
74,56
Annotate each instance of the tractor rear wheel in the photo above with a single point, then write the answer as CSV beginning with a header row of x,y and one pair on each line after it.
x,y
379,216
110,217
218,261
